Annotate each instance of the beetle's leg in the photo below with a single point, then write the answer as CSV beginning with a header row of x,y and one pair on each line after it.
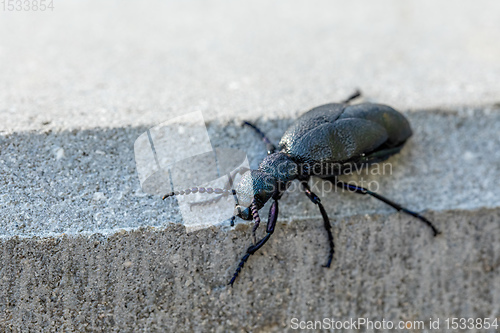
x,y
355,95
361,190
315,199
271,223
269,146
256,217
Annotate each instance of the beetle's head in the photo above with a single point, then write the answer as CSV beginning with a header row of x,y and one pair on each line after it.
x,y
254,187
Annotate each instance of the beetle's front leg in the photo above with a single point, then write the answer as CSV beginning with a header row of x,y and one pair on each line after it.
x,y
315,199
271,224
256,218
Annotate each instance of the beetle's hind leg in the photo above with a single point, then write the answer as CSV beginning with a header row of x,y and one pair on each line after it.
x,y
362,190
269,145
355,95
271,223
315,199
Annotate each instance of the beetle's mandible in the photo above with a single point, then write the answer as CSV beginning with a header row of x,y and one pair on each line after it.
x,y
324,142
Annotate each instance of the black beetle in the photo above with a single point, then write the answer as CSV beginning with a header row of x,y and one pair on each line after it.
x,y
324,142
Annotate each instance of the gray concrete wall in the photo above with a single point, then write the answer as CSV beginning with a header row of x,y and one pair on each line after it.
x,y
83,248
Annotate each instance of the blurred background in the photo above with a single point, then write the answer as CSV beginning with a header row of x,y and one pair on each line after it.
x,y
115,63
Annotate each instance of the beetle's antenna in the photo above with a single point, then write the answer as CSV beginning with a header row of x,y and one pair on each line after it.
x,y
208,190
220,191
355,95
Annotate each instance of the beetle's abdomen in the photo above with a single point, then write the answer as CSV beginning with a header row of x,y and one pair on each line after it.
x,y
338,132
320,115
397,127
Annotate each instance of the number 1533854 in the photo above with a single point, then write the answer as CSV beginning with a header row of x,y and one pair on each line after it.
x,y
27,5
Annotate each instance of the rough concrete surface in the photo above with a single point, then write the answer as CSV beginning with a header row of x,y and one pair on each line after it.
x,y
83,248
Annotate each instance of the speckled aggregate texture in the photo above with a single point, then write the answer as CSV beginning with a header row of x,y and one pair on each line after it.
x,y
84,249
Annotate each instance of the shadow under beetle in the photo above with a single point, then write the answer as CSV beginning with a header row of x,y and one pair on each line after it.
x,y
324,142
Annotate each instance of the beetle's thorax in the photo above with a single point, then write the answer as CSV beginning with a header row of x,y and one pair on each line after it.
x,y
272,178
280,166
